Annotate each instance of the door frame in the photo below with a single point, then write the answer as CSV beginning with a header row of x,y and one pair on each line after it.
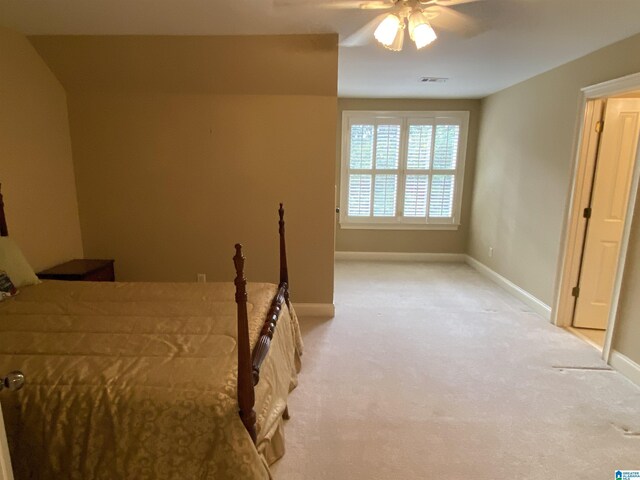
x,y
572,238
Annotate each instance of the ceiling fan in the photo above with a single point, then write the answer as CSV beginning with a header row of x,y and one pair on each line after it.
x,y
419,17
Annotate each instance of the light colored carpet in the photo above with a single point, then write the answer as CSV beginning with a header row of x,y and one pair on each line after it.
x,y
430,371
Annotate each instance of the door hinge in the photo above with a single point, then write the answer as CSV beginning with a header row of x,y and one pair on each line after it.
x,y
599,126
575,292
587,212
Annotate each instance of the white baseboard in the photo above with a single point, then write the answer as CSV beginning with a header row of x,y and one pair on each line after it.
x,y
401,257
315,309
625,366
525,297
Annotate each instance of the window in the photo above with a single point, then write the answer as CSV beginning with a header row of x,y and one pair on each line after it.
x,y
402,170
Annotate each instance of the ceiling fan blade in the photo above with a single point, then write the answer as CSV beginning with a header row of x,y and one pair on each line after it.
x,y
335,4
376,5
446,3
449,19
451,3
363,35
312,3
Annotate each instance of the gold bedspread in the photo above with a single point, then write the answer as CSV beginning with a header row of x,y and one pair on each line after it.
x,y
138,381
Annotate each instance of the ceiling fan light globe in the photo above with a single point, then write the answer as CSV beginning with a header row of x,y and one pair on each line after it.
x,y
388,29
423,35
398,40
416,18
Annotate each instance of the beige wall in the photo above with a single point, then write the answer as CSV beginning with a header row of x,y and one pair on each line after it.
x,y
523,173
430,241
36,168
170,178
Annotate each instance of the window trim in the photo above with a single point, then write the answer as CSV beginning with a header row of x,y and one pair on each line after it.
x,y
397,222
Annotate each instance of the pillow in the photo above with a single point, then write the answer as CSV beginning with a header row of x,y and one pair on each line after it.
x,y
13,262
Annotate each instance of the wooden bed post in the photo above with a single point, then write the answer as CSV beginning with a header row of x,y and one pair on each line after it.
x,y
282,296
249,364
284,271
4,231
246,394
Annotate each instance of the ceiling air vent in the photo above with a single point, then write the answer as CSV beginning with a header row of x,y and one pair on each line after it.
x,y
433,79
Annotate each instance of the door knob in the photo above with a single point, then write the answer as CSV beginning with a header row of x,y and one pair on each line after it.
x,y
13,381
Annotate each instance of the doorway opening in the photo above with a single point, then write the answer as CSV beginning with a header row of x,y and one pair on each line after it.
x,y
602,199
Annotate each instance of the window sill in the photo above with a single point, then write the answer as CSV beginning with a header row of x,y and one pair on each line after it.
x,y
398,226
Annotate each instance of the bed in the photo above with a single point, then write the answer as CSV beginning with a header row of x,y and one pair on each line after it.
x,y
149,380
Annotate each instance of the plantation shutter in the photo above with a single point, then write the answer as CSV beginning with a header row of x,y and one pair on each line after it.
x,y
419,154
360,158
374,162
443,171
403,167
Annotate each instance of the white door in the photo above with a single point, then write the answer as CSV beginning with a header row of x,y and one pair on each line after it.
x,y
5,461
618,147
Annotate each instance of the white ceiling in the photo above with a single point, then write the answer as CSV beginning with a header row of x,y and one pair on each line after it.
x,y
522,37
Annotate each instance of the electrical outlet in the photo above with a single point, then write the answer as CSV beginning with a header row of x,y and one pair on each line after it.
x,y
491,251
202,278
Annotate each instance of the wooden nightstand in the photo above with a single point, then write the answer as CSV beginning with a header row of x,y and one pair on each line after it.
x,y
87,270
